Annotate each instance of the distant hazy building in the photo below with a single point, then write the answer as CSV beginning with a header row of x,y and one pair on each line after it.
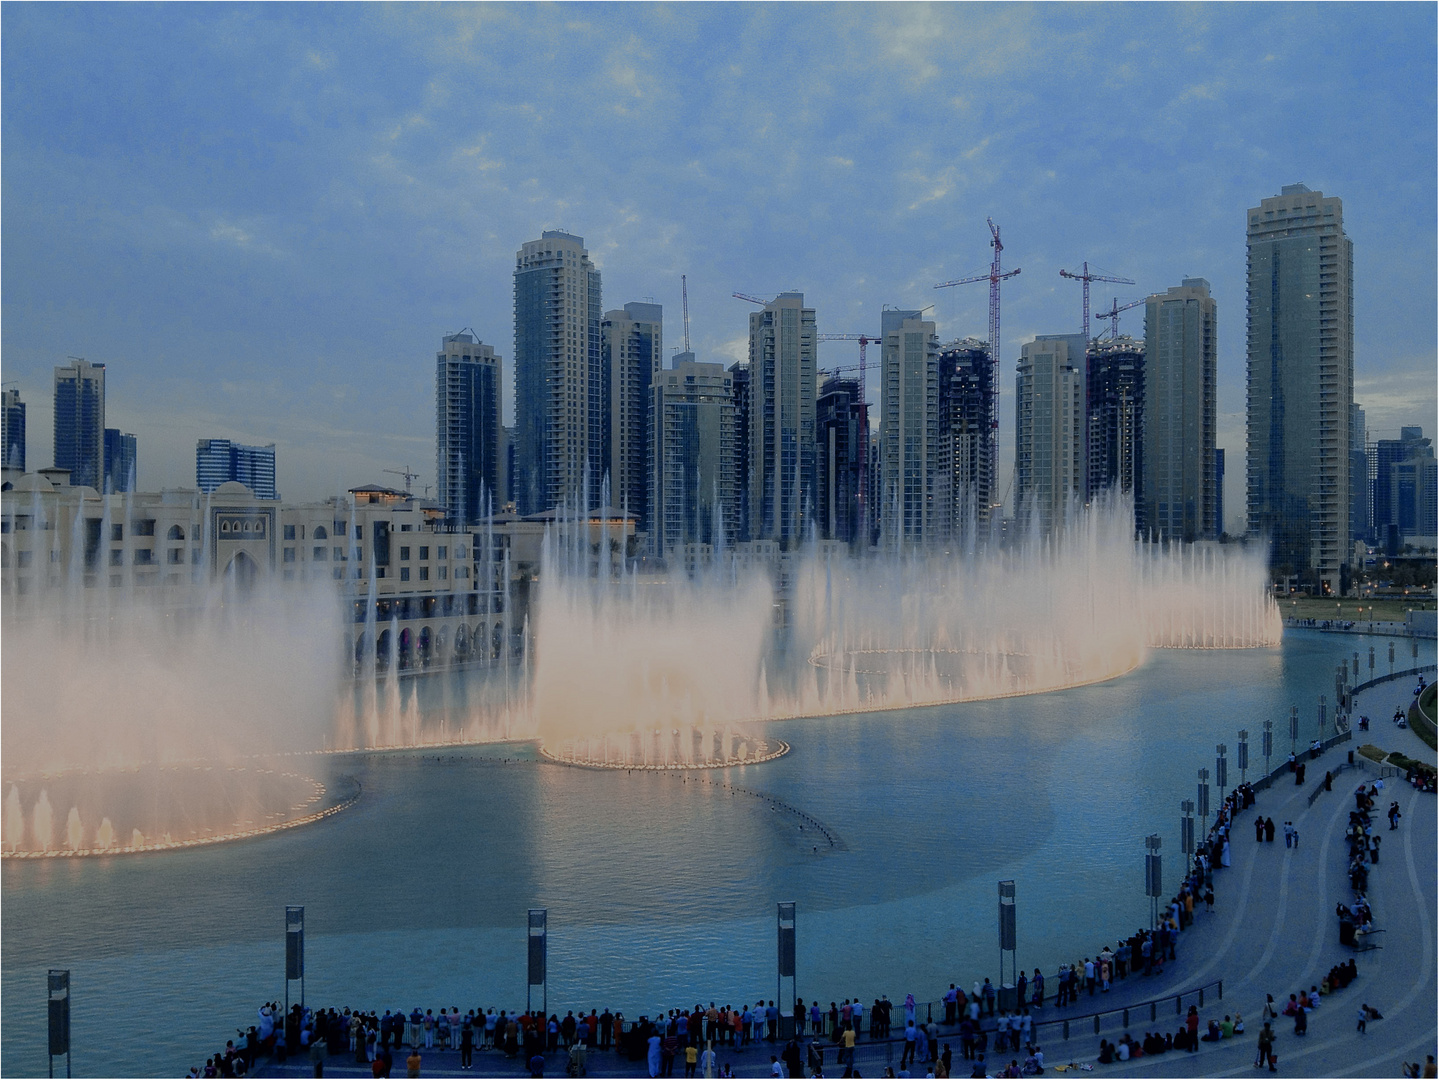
x,y
12,430
631,348
80,422
1301,382
739,379
218,461
559,377
692,491
121,460
1049,463
1116,414
781,418
967,420
909,430
1361,525
467,428
1404,489
1219,488
1180,356
842,429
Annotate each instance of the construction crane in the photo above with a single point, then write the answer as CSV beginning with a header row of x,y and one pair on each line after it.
x,y
996,274
685,303
410,477
1113,314
751,299
1086,277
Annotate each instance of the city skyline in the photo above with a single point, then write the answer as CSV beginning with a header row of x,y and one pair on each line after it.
x,y
319,194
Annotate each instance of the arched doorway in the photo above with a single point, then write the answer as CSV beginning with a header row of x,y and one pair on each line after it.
x,y
241,574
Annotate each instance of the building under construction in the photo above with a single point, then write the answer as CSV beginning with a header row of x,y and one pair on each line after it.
x,y
1115,415
842,427
967,422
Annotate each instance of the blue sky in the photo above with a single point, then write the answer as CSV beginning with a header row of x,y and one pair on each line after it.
x,y
263,218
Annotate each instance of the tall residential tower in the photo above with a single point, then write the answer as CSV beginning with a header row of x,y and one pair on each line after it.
x,y
781,418
1301,383
80,422
631,348
914,484
1049,460
467,428
1181,485
559,376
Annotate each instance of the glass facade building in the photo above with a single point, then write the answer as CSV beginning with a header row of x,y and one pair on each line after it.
x,y
80,422
912,486
1300,346
121,460
631,348
692,490
218,461
842,426
782,356
12,429
967,419
1049,460
467,428
559,374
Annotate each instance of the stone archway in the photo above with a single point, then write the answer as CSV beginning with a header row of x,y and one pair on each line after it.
x,y
241,574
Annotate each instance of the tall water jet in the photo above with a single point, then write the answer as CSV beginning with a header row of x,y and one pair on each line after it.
x,y
74,831
44,822
105,835
14,820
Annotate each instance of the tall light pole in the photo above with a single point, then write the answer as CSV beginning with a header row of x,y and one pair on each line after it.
x,y
1204,800
1268,743
1243,755
1221,769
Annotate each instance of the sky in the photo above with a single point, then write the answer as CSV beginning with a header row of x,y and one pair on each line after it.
x,y
263,218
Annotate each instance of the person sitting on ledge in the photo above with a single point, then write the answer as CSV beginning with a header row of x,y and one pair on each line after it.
x,y
1106,1052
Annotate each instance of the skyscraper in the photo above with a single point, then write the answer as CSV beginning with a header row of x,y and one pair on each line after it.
x,y
909,429
739,379
559,377
1115,407
12,430
218,461
842,428
1180,336
1403,482
1301,383
781,419
692,493
467,428
1049,462
966,423
631,347
80,422
121,460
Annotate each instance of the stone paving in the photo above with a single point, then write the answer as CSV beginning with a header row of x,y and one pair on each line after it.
x,y
1273,931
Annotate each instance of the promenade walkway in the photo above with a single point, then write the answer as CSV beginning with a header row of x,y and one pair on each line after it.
x,y
1273,931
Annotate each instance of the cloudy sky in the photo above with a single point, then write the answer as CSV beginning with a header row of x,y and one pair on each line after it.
x,y
263,218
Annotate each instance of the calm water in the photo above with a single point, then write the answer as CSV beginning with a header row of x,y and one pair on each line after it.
x,y
660,891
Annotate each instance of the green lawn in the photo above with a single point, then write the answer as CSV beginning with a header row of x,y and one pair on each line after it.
x,y
1358,610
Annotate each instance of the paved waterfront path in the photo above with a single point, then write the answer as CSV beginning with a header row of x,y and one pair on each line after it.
x,y
1273,931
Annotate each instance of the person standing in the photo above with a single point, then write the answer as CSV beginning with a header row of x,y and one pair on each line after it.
x,y
1266,1049
467,1044
1363,1019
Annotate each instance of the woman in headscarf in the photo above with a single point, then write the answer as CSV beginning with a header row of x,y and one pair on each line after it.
x,y
909,1008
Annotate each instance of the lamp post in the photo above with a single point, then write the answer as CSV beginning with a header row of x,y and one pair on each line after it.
x,y
1391,657
1324,716
1268,743
1293,728
1221,769
1153,876
1186,829
1371,663
1244,755
1204,799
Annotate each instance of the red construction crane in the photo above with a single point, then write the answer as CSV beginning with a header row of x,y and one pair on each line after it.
x,y
685,301
994,277
1086,277
1113,313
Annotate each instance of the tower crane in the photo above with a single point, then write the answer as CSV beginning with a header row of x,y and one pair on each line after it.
x,y
1113,313
752,299
685,302
409,476
996,274
1086,277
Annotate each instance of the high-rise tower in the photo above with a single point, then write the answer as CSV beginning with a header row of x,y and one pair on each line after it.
x,y
1301,382
1180,481
781,418
1116,409
80,422
467,428
559,377
631,348
12,430
692,495
909,429
966,425
1049,460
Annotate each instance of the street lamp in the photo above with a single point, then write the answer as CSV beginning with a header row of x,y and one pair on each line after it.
x,y
1391,657
1268,743
1153,876
1204,800
1186,828
1293,728
1221,769
1323,717
1371,663
1244,755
